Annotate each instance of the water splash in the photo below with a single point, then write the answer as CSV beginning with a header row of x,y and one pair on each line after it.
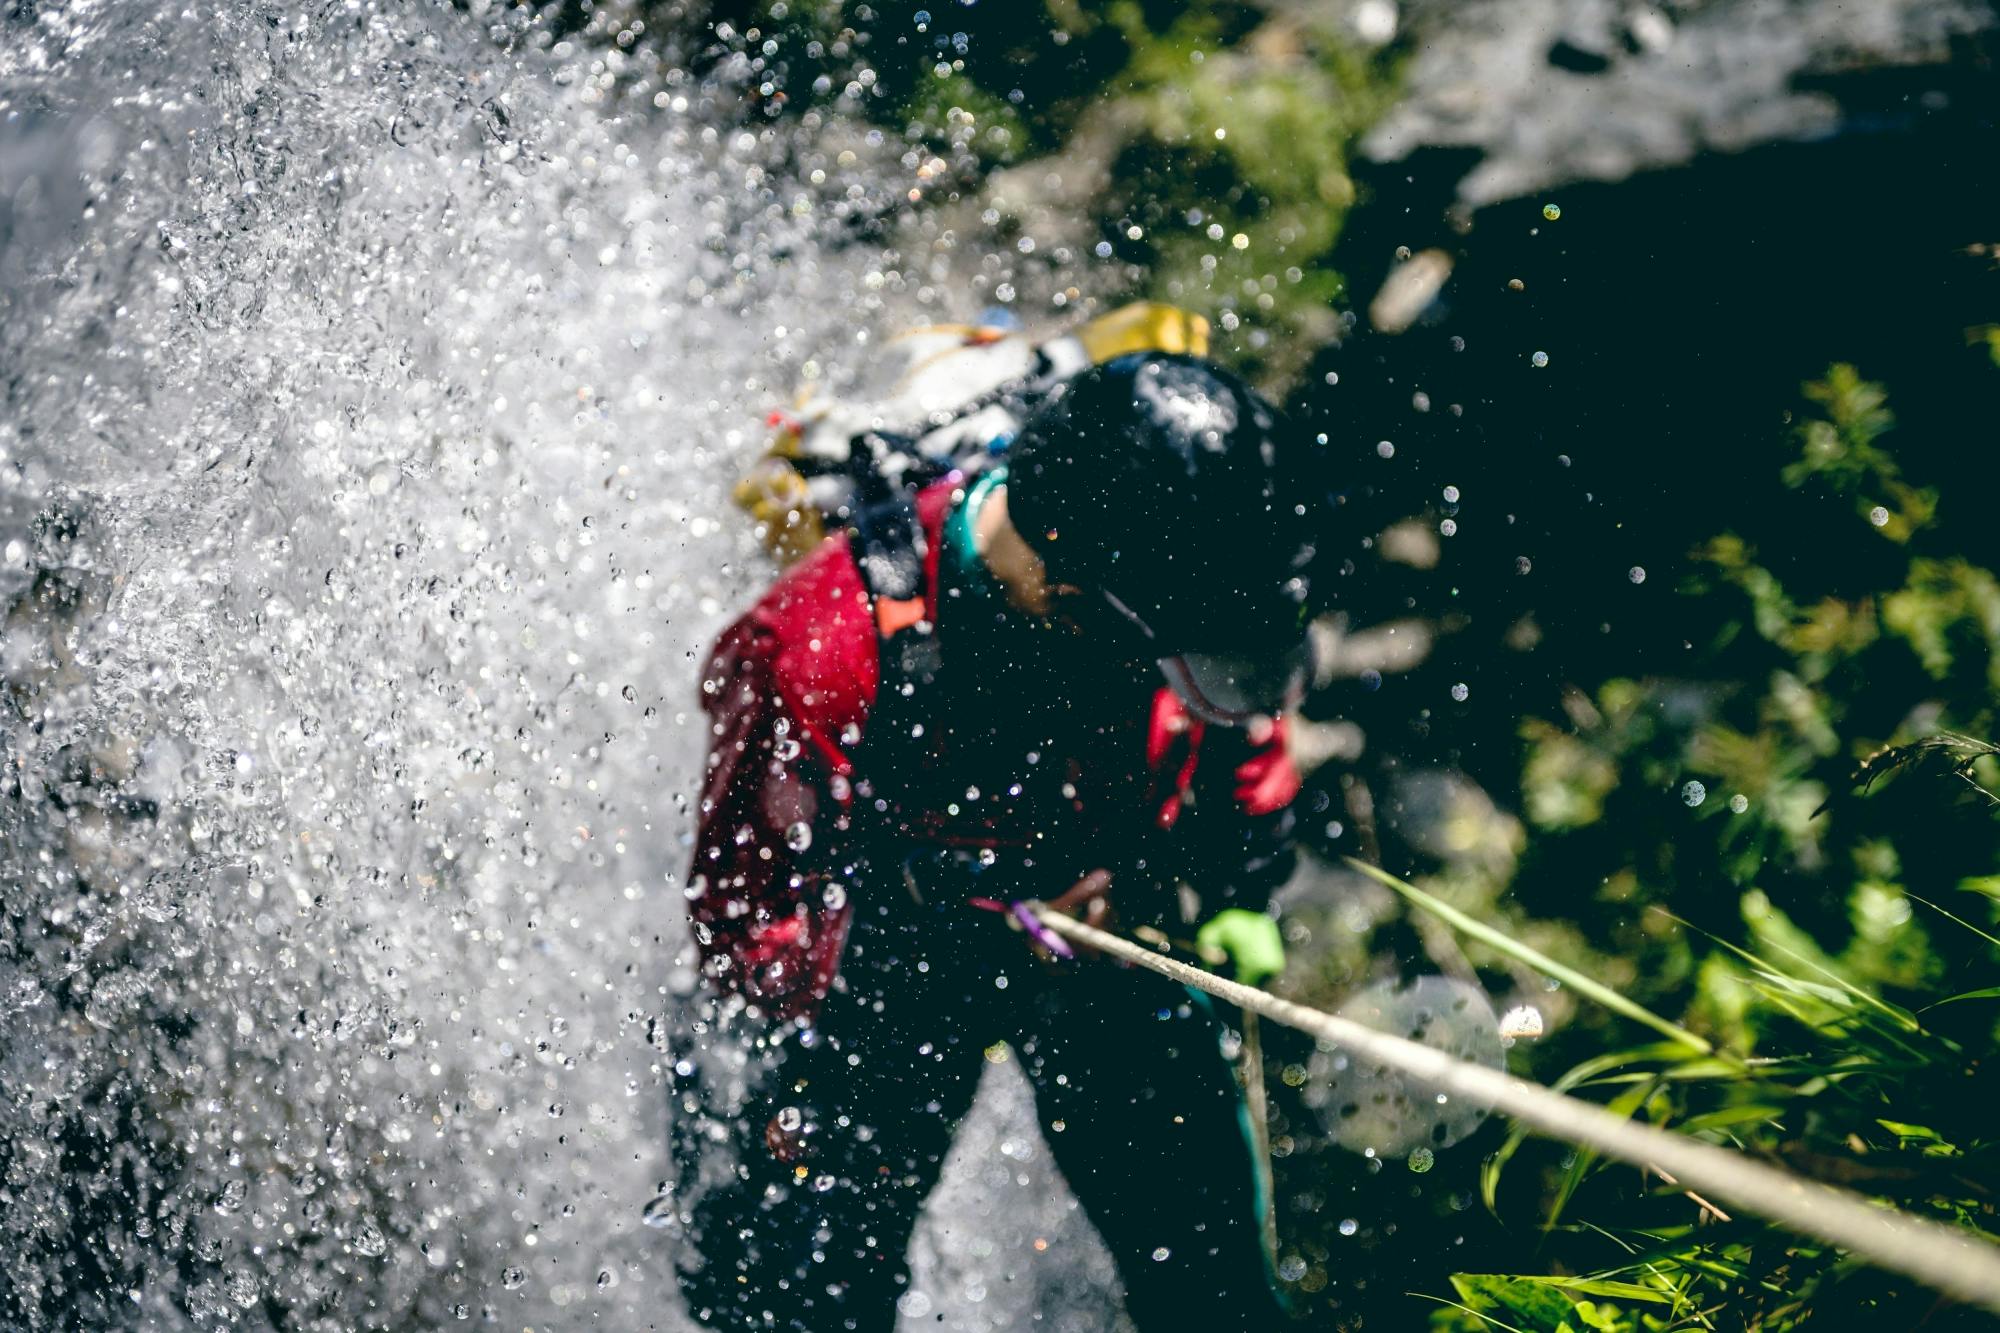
x,y
373,378
1371,1108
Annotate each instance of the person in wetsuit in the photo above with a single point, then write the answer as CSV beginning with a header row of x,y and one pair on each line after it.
x,y
1062,680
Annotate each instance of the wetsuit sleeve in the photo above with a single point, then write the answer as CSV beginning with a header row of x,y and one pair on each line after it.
x,y
1242,824
758,905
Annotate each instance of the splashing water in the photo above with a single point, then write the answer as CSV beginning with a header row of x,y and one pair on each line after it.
x,y
1371,1108
372,386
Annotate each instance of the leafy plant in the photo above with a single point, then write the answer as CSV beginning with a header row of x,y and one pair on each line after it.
x,y
1798,839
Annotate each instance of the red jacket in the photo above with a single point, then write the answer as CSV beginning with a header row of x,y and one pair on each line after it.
x,y
788,692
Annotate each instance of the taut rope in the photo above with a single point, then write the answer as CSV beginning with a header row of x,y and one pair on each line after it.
x,y
1936,1255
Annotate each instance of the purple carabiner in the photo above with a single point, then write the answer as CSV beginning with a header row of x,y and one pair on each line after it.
x,y
1040,933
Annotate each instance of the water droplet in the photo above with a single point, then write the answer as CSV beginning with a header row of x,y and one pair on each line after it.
x,y
1539,359
1878,516
1521,1023
799,836
1348,1226
513,1279
791,1119
1371,1108
1694,794
659,1211
1637,574
1739,803
1420,1160
1461,692
1161,1253
368,1240
1552,212
1291,1268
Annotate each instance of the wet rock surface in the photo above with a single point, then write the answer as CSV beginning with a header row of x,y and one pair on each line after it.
x,y
1541,93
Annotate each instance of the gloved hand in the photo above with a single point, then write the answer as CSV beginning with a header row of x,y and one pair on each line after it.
x,y
1250,941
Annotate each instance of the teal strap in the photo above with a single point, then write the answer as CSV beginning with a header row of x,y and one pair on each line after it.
x,y
1261,1201
961,530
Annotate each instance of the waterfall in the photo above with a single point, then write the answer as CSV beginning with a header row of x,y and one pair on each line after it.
x,y
374,375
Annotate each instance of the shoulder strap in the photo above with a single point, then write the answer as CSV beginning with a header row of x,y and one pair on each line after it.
x,y
889,548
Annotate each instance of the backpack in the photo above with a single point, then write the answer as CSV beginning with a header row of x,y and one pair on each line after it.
x,y
950,399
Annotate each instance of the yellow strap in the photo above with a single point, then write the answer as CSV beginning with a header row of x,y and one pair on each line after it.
x,y
774,494
1143,326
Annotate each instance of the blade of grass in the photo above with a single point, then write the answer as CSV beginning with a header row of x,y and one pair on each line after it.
x,y
1724,1118
1951,916
1476,1314
1599,1068
1541,962
1625,1105
1599,1286
1991,992
1902,1017
1678,1286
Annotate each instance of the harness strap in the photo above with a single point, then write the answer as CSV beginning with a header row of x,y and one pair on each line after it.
x,y
892,555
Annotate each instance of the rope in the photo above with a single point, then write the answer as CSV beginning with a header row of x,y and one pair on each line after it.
x,y
1941,1257
1260,1131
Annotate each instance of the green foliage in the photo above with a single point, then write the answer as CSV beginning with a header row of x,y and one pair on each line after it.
x,y
1201,146
1821,907
1551,1305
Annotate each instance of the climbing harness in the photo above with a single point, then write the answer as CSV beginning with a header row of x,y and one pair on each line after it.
x,y
1939,1256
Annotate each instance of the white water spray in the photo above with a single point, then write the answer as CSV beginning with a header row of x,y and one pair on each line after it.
x,y
371,388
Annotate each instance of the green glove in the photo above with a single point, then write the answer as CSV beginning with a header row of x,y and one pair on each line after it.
x,y
1249,940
